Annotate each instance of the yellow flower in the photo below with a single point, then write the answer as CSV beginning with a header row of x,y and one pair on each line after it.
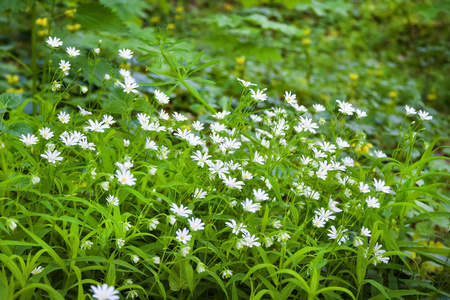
x,y
70,13
43,32
125,66
178,17
240,60
179,9
306,42
393,94
370,145
228,6
432,97
171,26
155,19
365,149
358,150
379,72
41,22
357,164
353,76
74,27
12,79
307,31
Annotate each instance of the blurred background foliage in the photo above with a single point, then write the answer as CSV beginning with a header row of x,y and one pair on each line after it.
x,y
378,54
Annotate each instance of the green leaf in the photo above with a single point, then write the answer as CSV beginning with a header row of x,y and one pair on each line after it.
x,y
14,6
8,100
18,128
97,16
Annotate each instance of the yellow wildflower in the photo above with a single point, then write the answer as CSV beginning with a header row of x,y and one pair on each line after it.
x,y
12,79
307,31
70,13
179,9
432,97
228,6
240,60
171,26
353,76
306,42
393,94
155,19
43,32
42,22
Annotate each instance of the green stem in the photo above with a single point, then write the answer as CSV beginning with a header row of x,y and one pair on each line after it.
x,y
33,55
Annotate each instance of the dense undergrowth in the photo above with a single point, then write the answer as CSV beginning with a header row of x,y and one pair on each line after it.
x,y
308,161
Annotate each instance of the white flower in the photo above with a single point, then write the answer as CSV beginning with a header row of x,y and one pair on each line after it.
x,y
185,251
84,89
35,179
245,83
306,124
64,117
64,65
373,202
424,115
107,77
120,243
410,110
54,42
97,50
152,224
248,205
165,116
251,240
221,115
246,175
380,186
130,85
11,224
135,259
156,260
361,114
161,97
149,144
37,270
259,95
379,154
72,51
201,268
345,108
199,193
358,241
236,228
183,235
52,157
126,143
112,200
231,182
365,232
29,139
333,205
227,273
277,224
84,112
172,219
97,126
364,187
283,236
201,158
104,292
319,107
325,214
290,98
125,177
258,158
105,185
181,210
341,143
108,120
126,53
196,224
318,221
179,117
260,195
86,245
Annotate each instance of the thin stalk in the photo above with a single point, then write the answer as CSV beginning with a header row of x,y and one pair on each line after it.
x,y
33,55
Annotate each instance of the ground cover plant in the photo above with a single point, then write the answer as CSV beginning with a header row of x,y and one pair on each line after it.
x,y
123,177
